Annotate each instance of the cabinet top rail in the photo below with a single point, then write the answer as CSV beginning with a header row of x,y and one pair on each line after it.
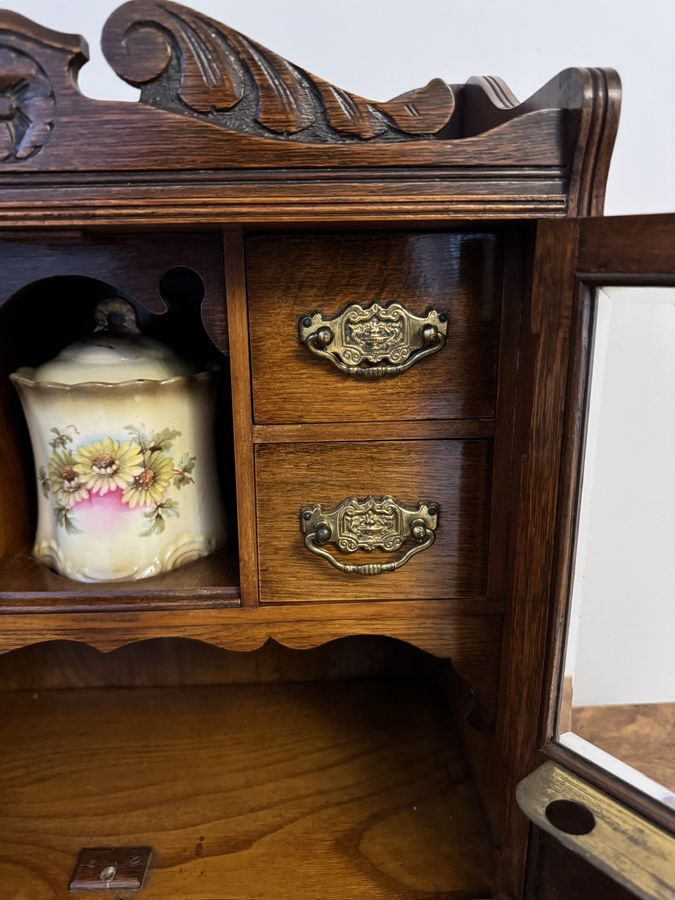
x,y
219,113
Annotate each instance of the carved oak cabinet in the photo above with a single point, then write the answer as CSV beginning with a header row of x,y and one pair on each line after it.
x,y
342,702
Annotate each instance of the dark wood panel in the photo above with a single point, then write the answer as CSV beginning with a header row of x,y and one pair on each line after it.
x,y
453,474
627,245
541,387
292,791
241,416
291,276
230,199
559,874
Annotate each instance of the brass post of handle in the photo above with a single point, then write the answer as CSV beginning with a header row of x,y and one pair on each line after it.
x,y
374,341
369,524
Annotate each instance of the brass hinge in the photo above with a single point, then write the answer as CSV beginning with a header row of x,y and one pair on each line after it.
x,y
627,847
111,868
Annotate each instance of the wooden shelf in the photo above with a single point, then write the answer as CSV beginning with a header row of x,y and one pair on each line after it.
x,y
336,791
28,586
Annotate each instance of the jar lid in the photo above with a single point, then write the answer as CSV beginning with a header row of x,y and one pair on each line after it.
x,y
116,352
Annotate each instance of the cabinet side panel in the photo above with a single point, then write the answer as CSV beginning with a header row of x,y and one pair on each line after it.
x,y
540,405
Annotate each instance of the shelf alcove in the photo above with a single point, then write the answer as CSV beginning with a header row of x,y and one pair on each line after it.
x,y
336,772
57,285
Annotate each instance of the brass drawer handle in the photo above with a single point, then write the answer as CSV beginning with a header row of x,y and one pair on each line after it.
x,y
369,524
373,341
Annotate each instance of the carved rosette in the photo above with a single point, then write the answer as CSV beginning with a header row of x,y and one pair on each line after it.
x,y
185,62
27,106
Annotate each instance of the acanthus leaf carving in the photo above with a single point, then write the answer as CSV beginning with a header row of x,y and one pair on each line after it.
x,y
186,62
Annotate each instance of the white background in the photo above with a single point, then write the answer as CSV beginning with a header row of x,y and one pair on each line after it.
x,y
621,647
381,48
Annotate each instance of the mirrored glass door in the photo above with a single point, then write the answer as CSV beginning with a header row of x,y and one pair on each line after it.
x,y
617,702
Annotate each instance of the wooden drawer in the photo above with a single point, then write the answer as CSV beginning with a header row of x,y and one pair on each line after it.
x,y
289,277
453,474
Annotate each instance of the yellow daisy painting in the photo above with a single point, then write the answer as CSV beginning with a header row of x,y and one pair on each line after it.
x,y
151,481
108,464
139,469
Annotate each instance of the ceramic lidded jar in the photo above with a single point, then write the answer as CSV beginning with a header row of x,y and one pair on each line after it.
x,y
123,438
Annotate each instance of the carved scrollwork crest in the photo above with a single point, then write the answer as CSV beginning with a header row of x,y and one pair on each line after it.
x,y
27,105
186,62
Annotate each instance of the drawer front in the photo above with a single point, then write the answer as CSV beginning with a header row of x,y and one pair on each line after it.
x,y
290,278
453,475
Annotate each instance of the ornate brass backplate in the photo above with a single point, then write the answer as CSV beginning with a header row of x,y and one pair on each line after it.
x,y
376,340
369,524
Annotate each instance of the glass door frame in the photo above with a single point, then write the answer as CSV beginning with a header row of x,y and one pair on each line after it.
x,y
606,257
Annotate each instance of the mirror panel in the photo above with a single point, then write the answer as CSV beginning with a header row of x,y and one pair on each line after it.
x,y
617,704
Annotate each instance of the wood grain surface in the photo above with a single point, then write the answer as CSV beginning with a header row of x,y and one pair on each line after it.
x,y
453,474
542,378
320,432
332,791
274,792
29,586
639,734
639,246
240,380
547,156
292,276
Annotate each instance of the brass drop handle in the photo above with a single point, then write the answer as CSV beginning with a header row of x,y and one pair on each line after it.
x,y
373,341
369,524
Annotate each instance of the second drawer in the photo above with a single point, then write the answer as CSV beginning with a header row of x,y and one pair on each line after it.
x,y
453,475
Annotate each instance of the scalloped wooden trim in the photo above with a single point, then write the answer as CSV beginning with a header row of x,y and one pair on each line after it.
x,y
472,643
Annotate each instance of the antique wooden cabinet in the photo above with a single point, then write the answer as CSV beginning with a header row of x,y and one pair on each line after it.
x,y
392,291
